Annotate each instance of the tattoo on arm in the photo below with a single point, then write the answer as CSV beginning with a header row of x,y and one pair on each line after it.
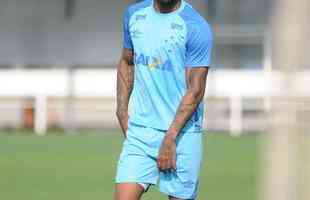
x,y
196,83
125,79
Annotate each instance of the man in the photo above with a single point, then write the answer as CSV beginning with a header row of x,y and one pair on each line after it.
x,y
163,70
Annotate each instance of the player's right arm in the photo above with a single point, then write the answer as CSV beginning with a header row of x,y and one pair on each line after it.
x,y
125,79
125,75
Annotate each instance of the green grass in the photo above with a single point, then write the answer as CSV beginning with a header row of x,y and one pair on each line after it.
x,y
82,167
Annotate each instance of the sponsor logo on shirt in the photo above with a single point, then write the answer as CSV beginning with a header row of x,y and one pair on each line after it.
x,y
153,62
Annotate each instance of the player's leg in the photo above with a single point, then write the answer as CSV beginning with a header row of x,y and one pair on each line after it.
x,y
136,170
182,184
128,191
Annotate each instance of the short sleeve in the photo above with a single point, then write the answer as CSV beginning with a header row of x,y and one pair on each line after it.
x,y
127,43
199,46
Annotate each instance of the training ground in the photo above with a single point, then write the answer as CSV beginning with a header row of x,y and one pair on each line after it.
x,y
82,166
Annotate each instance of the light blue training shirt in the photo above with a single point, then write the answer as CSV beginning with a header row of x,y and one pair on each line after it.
x,y
164,45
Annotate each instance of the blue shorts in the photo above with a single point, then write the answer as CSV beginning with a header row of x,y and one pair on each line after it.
x,y
137,162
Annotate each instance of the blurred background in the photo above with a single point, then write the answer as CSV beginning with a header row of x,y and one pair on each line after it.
x,y
58,78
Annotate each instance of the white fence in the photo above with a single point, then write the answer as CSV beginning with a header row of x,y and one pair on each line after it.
x,y
232,86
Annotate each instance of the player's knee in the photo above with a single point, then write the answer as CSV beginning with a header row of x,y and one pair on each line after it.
x,y
128,191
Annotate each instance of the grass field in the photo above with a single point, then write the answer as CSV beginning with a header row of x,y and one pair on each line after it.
x,y
82,167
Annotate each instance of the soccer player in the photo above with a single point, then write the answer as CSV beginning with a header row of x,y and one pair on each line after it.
x,y
162,71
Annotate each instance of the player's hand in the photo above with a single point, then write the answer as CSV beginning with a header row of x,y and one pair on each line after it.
x,y
167,154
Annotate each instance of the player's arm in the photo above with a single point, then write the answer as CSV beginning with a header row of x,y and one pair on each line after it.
x,y
125,79
196,84
125,76
197,62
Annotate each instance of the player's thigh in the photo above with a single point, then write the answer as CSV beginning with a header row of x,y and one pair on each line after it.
x,y
189,156
128,191
135,165
183,183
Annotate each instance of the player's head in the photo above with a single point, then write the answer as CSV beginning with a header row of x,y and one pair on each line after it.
x,y
167,3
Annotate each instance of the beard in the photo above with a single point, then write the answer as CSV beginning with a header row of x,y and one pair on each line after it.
x,y
167,4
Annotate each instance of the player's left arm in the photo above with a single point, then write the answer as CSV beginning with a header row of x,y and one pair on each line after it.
x,y
197,62
196,84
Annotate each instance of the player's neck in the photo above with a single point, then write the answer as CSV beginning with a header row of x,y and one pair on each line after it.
x,y
167,6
